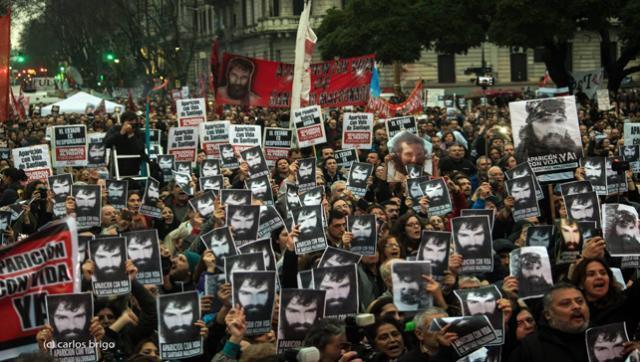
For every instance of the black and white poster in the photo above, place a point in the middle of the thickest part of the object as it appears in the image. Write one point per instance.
(490, 213)
(539, 235)
(69, 146)
(255, 159)
(244, 222)
(434, 248)
(312, 237)
(583, 207)
(299, 310)
(184, 167)
(117, 192)
(525, 205)
(60, 185)
(260, 188)
(607, 343)
(399, 124)
(88, 205)
(547, 136)
(345, 158)
(245, 136)
(337, 256)
(616, 182)
(341, 285)
(235, 197)
(291, 196)
(414, 171)
(571, 242)
(70, 317)
(213, 134)
(631, 153)
(620, 226)
(589, 229)
(595, 173)
(228, 157)
(575, 187)
(306, 174)
(270, 220)
(211, 183)
(474, 332)
(312, 197)
(415, 191)
(255, 292)
(309, 126)
(210, 167)
(212, 283)
(143, 248)
(483, 301)
(263, 247)
(97, 151)
(167, 165)
(408, 286)
(243, 263)
(109, 255)
(531, 266)
(220, 241)
(364, 231)
(472, 239)
(184, 181)
(178, 334)
(406, 148)
(358, 175)
(277, 143)
(438, 194)
(305, 279)
(151, 198)
(5, 223)
(203, 204)
(521, 170)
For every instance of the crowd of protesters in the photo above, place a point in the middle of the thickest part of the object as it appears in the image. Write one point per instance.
(472, 149)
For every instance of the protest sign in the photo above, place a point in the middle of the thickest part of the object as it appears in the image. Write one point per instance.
(522, 189)
(117, 192)
(246, 287)
(69, 146)
(539, 235)
(277, 143)
(256, 161)
(438, 194)
(203, 204)
(97, 154)
(244, 221)
(490, 213)
(346, 157)
(521, 170)
(312, 197)
(214, 183)
(357, 130)
(619, 224)
(531, 266)
(178, 334)
(309, 126)
(474, 332)
(588, 82)
(228, 156)
(191, 112)
(220, 241)
(409, 288)
(88, 205)
(435, 97)
(183, 143)
(110, 276)
(243, 262)
(306, 174)
(582, 207)
(270, 220)
(472, 239)
(166, 163)
(34, 161)
(358, 175)
(602, 96)
(212, 135)
(52, 252)
(143, 248)
(235, 197)
(60, 185)
(608, 343)
(210, 167)
(242, 137)
(261, 189)
(483, 301)
(299, 310)
(312, 237)
(150, 199)
(341, 285)
(434, 248)
(264, 247)
(72, 340)
(337, 256)
(399, 124)
(595, 173)
(364, 231)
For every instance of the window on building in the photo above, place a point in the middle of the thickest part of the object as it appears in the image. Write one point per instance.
(298, 6)
(613, 51)
(264, 8)
(243, 10)
(278, 55)
(538, 55)
(252, 7)
(446, 68)
(518, 67)
(568, 61)
(275, 8)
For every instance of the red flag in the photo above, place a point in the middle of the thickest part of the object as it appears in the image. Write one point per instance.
(13, 106)
(5, 49)
(131, 105)
(215, 46)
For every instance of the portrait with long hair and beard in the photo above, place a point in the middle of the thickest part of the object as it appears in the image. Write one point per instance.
(238, 83)
(406, 149)
(621, 231)
(408, 286)
(255, 293)
(531, 266)
(299, 310)
(607, 343)
(70, 316)
(483, 301)
(177, 314)
(341, 285)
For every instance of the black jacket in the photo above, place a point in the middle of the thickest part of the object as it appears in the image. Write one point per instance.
(127, 145)
(551, 345)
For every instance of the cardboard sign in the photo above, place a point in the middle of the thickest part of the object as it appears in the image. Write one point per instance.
(244, 136)
(34, 161)
(277, 142)
(309, 126)
(399, 124)
(213, 134)
(357, 130)
(183, 143)
(69, 145)
(191, 112)
(97, 153)
(602, 96)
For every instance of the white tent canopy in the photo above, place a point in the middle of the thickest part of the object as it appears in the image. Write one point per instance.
(78, 103)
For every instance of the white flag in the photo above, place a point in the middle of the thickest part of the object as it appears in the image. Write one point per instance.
(305, 44)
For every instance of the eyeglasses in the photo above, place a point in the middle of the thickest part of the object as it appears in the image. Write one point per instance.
(528, 320)
(412, 224)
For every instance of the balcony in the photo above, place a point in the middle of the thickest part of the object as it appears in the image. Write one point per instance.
(280, 24)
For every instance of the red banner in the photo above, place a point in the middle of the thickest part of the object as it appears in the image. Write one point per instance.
(5, 50)
(384, 109)
(256, 82)
(45, 263)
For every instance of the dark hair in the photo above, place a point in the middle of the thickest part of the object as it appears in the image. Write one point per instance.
(580, 274)
(335, 214)
(372, 330)
(322, 331)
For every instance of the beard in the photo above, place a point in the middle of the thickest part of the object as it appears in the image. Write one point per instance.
(409, 297)
(255, 312)
(235, 91)
(183, 333)
(71, 334)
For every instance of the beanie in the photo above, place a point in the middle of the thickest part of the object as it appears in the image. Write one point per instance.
(193, 259)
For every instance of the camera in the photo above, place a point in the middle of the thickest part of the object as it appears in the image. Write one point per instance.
(619, 165)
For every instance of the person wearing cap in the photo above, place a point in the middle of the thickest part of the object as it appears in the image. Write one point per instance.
(180, 277)
(128, 139)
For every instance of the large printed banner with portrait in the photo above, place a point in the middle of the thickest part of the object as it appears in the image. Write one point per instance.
(546, 135)
(33, 160)
(263, 83)
(44, 263)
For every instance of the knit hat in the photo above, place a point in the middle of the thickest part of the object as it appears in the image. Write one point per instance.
(193, 259)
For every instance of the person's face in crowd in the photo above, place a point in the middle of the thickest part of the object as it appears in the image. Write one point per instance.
(390, 310)
(312, 198)
(570, 235)
(242, 223)
(525, 324)
(140, 250)
(178, 319)
(335, 348)
(227, 153)
(115, 190)
(471, 239)
(331, 166)
(596, 281)
(179, 265)
(592, 170)
(327, 152)
(359, 174)
(389, 341)
(308, 222)
(210, 169)
(60, 186)
(380, 135)
(68, 323)
(253, 298)
(605, 350)
(408, 287)
(337, 227)
(238, 86)
(434, 252)
(167, 215)
(550, 130)
(465, 186)
(253, 159)
(220, 246)
(133, 203)
(299, 316)
(479, 303)
(412, 153)
(340, 187)
(338, 290)
(392, 210)
(627, 232)
(83, 176)
(373, 158)
(96, 151)
(509, 149)
(283, 166)
(568, 311)
(305, 170)
(437, 222)
(413, 228)
(379, 214)
(166, 163)
(496, 175)
(581, 211)
(521, 192)
(456, 152)
(149, 349)
(109, 262)
(342, 206)
(106, 317)
(392, 249)
(361, 231)
(109, 215)
(86, 199)
(426, 338)
(434, 191)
